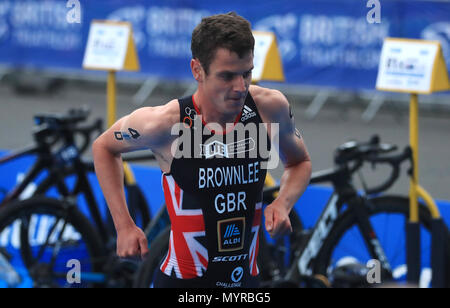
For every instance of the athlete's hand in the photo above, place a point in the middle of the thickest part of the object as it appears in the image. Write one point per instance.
(277, 220)
(131, 242)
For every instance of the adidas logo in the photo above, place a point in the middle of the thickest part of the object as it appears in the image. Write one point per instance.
(247, 113)
(231, 230)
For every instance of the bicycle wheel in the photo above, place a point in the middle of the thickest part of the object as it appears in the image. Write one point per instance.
(138, 206)
(275, 256)
(388, 216)
(147, 270)
(136, 201)
(51, 242)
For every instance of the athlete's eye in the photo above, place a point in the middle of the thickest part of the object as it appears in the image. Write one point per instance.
(247, 74)
(227, 76)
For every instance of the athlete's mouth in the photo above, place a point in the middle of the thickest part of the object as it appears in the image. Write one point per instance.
(236, 98)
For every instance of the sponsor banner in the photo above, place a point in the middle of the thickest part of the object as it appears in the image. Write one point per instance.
(334, 43)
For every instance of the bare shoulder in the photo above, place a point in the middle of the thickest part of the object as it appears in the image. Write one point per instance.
(165, 115)
(156, 122)
(271, 103)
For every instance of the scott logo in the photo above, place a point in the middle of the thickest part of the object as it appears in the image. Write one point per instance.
(230, 258)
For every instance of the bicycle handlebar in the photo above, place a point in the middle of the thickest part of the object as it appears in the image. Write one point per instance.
(54, 127)
(394, 161)
(358, 153)
(73, 116)
(372, 152)
(354, 151)
(86, 133)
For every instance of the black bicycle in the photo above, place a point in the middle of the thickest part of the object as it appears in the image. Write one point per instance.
(50, 154)
(42, 234)
(349, 229)
(359, 238)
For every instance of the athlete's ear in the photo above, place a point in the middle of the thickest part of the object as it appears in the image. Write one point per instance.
(197, 70)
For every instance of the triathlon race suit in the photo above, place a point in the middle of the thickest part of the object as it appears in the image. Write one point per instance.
(214, 199)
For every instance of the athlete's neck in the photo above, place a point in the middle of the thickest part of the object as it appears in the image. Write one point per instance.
(210, 114)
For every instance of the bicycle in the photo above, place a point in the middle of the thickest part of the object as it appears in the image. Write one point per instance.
(348, 214)
(314, 251)
(61, 165)
(49, 161)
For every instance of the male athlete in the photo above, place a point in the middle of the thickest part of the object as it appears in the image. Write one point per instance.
(209, 147)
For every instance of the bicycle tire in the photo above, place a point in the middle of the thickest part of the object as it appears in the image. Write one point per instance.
(297, 230)
(137, 203)
(148, 268)
(89, 238)
(275, 259)
(385, 205)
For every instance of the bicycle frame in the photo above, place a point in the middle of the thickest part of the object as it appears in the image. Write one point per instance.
(44, 162)
(344, 194)
(83, 186)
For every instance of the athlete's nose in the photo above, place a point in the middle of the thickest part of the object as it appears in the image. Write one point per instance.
(239, 84)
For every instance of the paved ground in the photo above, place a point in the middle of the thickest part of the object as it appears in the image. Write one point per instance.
(335, 124)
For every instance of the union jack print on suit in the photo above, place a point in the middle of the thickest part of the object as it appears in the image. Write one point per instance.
(254, 247)
(187, 257)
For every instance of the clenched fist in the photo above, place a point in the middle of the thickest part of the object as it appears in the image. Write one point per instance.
(131, 242)
(277, 220)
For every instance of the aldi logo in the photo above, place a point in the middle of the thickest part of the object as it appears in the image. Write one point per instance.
(230, 233)
(232, 230)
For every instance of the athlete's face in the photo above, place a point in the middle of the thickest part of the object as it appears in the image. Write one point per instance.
(227, 83)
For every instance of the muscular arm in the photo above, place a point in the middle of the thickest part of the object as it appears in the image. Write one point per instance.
(144, 128)
(295, 157)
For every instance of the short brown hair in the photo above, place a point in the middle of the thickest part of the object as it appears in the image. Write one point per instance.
(229, 31)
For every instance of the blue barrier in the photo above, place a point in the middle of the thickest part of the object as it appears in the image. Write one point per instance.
(322, 43)
(309, 207)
